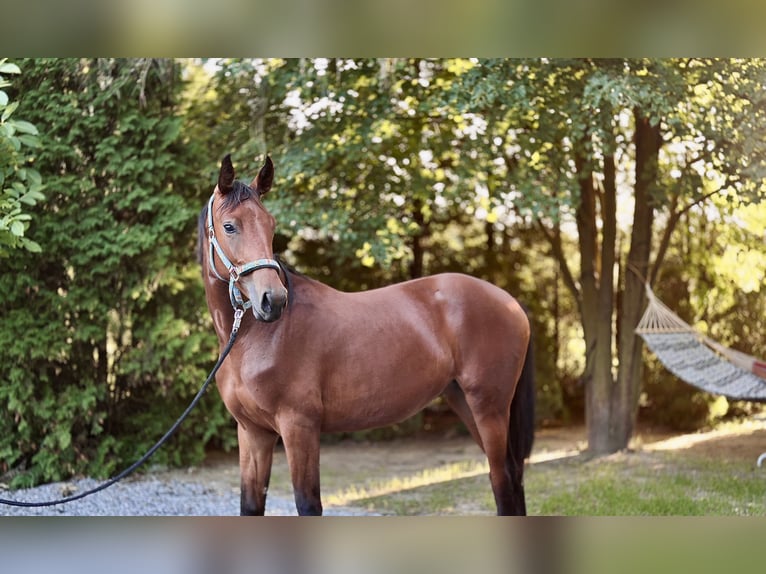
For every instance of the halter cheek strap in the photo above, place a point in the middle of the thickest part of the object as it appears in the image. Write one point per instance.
(235, 272)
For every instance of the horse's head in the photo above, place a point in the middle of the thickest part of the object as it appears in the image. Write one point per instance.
(244, 231)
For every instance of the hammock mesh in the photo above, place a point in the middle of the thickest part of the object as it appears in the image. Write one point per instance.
(698, 360)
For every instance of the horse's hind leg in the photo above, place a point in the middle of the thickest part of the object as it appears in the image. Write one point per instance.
(256, 452)
(506, 484)
(455, 398)
(491, 417)
(494, 434)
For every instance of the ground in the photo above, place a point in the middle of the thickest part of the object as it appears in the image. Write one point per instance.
(398, 476)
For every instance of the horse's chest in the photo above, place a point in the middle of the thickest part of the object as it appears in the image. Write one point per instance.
(250, 401)
(250, 393)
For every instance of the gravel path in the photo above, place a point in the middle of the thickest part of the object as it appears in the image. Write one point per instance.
(146, 496)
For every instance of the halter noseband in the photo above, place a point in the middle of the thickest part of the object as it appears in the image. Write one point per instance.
(235, 272)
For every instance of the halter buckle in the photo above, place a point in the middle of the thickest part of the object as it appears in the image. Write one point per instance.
(238, 314)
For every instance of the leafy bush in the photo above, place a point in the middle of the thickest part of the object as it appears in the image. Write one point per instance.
(104, 337)
(20, 184)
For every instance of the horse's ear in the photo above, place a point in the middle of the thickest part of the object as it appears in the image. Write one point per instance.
(226, 175)
(264, 179)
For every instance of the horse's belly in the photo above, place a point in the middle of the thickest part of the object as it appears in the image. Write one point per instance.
(388, 370)
(379, 399)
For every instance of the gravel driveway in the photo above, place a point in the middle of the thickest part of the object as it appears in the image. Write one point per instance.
(146, 496)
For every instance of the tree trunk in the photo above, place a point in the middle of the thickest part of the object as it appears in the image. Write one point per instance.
(648, 140)
(597, 302)
(611, 399)
(603, 439)
(597, 331)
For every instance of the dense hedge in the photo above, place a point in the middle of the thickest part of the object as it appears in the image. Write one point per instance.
(103, 336)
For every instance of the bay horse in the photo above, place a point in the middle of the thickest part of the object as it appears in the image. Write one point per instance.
(311, 359)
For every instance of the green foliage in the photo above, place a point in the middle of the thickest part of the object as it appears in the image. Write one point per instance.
(20, 183)
(367, 151)
(559, 126)
(104, 338)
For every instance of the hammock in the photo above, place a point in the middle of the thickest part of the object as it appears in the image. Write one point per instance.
(697, 359)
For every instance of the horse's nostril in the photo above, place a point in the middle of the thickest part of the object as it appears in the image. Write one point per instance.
(271, 305)
(266, 302)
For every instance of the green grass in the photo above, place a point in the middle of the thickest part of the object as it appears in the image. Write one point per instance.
(646, 484)
(640, 484)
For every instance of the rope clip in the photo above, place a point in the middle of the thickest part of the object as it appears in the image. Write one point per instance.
(238, 314)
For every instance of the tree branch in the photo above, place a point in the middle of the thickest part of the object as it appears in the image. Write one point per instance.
(675, 217)
(558, 253)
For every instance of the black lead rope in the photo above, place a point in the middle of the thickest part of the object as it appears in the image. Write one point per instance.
(237, 318)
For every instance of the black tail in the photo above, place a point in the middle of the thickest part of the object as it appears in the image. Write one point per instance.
(521, 430)
(522, 424)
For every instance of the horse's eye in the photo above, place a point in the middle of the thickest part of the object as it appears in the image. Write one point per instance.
(229, 228)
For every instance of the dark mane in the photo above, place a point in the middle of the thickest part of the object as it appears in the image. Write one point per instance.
(289, 271)
(239, 193)
(286, 267)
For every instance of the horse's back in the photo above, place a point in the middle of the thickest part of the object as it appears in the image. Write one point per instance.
(474, 304)
(467, 310)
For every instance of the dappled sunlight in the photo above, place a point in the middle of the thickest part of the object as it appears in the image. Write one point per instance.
(701, 439)
(556, 443)
(395, 484)
(555, 454)
(726, 438)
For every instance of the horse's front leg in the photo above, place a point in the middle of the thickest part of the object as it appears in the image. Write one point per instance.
(302, 450)
(256, 452)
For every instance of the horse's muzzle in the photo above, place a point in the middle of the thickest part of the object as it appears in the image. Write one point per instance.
(271, 305)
